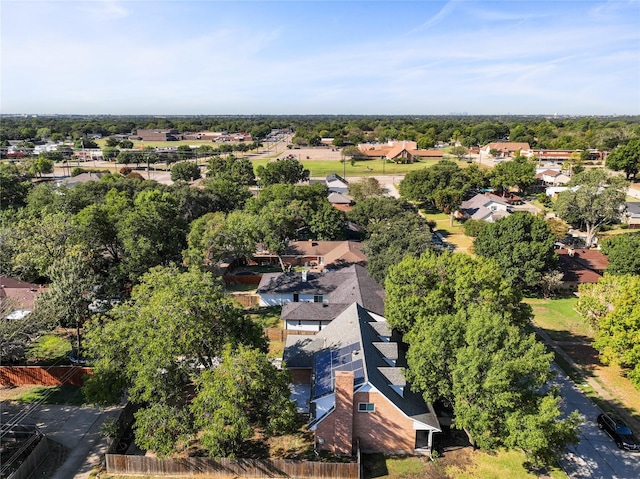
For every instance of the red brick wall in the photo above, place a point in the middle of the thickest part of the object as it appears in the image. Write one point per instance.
(343, 413)
(42, 376)
(385, 429)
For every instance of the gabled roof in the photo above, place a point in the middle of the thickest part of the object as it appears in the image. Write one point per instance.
(344, 286)
(353, 331)
(335, 253)
(508, 146)
(335, 177)
(306, 310)
(339, 199)
(633, 208)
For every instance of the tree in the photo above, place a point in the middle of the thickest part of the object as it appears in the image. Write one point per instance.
(522, 244)
(244, 392)
(185, 171)
(72, 289)
(365, 188)
(14, 187)
(467, 347)
(128, 156)
(473, 227)
(613, 306)
(459, 152)
(392, 239)
(238, 170)
(286, 170)
(39, 166)
(370, 211)
(622, 251)
(85, 143)
(625, 158)
(594, 199)
(112, 142)
(158, 344)
(518, 172)
(110, 152)
(126, 144)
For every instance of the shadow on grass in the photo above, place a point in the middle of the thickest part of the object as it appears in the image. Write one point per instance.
(61, 395)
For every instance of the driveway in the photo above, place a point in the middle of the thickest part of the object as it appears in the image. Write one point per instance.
(75, 427)
(596, 455)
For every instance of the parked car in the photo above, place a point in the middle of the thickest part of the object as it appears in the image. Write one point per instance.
(619, 432)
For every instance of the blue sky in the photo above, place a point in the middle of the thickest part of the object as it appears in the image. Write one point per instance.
(308, 57)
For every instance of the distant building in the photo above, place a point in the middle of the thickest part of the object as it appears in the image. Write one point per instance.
(399, 151)
(158, 135)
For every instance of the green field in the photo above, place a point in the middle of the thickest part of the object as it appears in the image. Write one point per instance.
(559, 318)
(361, 168)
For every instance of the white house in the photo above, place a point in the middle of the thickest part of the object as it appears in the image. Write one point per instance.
(486, 207)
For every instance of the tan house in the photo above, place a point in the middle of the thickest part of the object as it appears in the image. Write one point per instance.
(316, 254)
(348, 379)
(507, 149)
(399, 152)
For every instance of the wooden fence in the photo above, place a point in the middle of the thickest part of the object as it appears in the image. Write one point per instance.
(275, 334)
(247, 300)
(246, 468)
(42, 375)
(32, 461)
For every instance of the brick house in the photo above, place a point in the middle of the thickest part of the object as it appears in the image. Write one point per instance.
(349, 377)
(316, 254)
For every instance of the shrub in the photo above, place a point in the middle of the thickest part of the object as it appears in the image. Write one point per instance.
(77, 171)
(473, 227)
(125, 170)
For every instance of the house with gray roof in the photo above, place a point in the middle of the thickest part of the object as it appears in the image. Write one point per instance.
(350, 378)
(632, 214)
(485, 207)
(323, 289)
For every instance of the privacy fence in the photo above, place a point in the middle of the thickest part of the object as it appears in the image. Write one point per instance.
(43, 375)
(246, 468)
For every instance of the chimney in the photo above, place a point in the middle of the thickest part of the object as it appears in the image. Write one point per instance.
(343, 425)
(304, 275)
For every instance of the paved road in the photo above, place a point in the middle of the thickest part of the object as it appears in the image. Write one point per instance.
(595, 456)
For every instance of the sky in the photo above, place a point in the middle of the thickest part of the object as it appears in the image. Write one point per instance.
(320, 57)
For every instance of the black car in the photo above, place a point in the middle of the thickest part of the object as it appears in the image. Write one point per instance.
(619, 432)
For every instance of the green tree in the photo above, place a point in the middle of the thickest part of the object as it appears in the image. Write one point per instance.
(392, 239)
(459, 152)
(39, 166)
(467, 347)
(185, 171)
(522, 244)
(625, 158)
(365, 188)
(85, 143)
(126, 144)
(244, 392)
(238, 170)
(155, 346)
(518, 172)
(622, 251)
(595, 199)
(112, 142)
(287, 170)
(370, 211)
(14, 187)
(613, 306)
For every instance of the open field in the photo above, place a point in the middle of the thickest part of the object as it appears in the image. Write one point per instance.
(559, 319)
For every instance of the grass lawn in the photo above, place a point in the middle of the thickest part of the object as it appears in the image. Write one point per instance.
(361, 168)
(452, 234)
(267, 316)
(69, 395)
(559, 319)
(52, 348)
(458, 463)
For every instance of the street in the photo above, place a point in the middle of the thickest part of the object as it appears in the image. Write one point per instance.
(596, 455)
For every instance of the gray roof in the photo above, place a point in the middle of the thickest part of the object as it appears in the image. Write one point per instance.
(315, 311)
(345, 286)
(355, 326)
(633, 208)
(339, 198)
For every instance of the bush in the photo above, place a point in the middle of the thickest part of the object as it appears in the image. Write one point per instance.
(125, 170)
(77, 171)
(473, 227)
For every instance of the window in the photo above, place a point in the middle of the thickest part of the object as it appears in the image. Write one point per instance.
(296, 298)
(366, 407)
(317, 298)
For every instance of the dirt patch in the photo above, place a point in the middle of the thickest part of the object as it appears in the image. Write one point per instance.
(12, 393)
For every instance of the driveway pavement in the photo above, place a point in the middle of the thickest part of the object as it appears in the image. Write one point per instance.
(596, 456)
(77, 428)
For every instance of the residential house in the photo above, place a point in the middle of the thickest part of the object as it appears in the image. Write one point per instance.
(23, 295)
(506, 149)
(74, 181)
(486, 207)
(344, 286)
(340, 201)
(337, 184)
(552, 177)
(580, 266)
(307, 316)
(632, 214)
(349, 378)
(316, 254)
